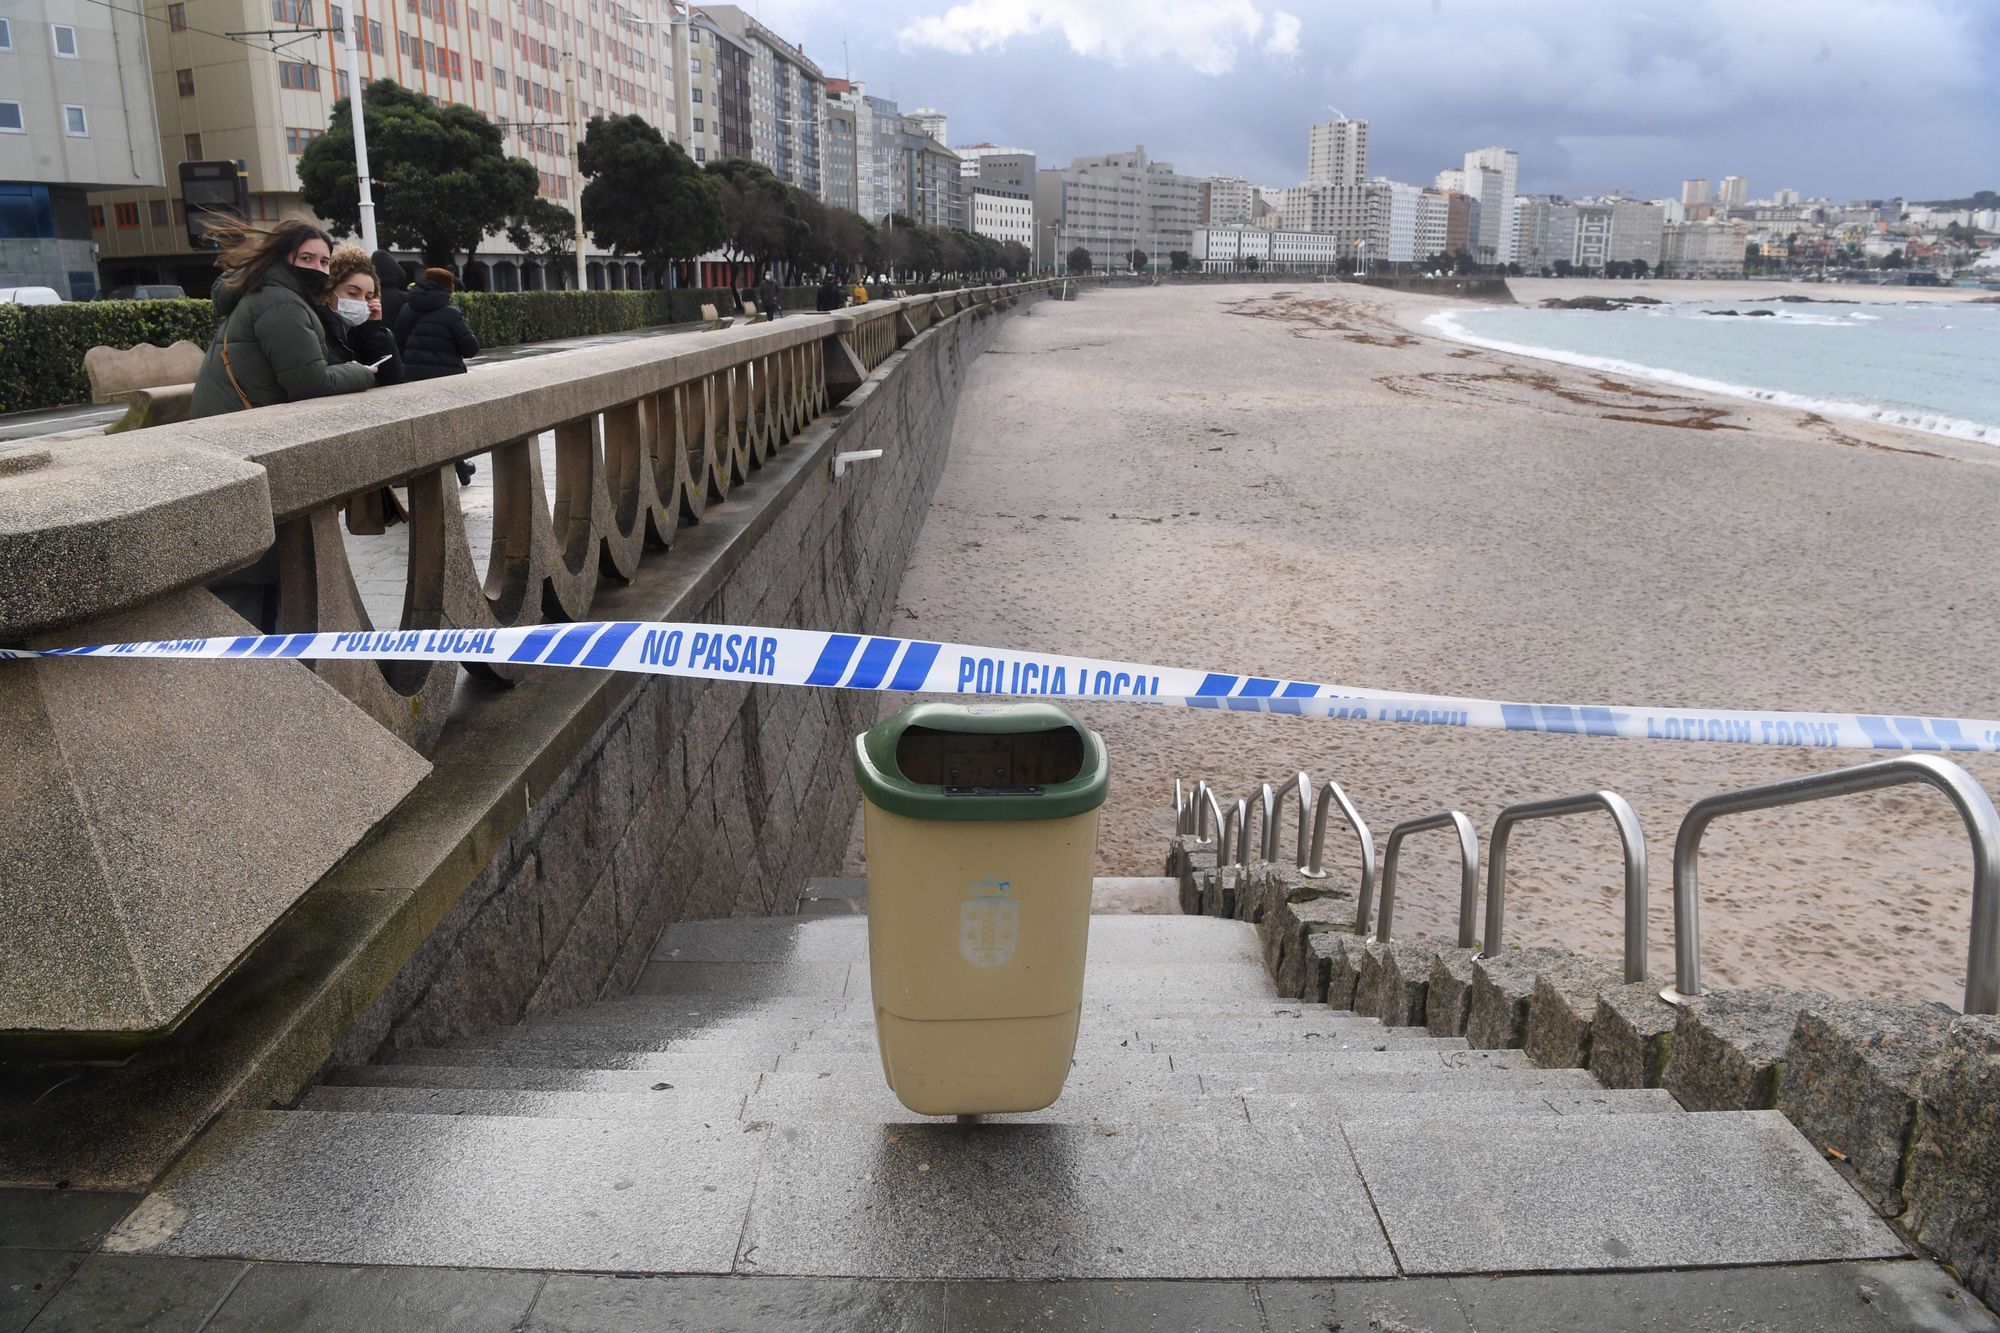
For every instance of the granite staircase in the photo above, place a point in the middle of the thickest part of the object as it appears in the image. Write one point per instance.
(1294, 1166)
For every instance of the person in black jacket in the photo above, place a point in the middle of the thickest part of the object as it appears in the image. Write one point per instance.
(350, 314)
(830, 295)
(395, 287)
(435, 337)
(770, 298)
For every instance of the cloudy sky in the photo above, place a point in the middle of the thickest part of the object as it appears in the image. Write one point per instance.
(1840, 97)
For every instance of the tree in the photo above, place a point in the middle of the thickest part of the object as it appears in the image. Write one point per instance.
(1138, 259)
(645, 196)
(1251, 264)
(1564, 268)
(1079, 260)
(1514, 270)
(1179, 260)
(441, 175)
(1015, 259)
(1641, 269)
(544, 231)
(1464, 265)
(761, 217)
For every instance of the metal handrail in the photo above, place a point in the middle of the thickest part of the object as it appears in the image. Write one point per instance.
(1300, 785)
(1209, 813)
(1975, 807)
(1239, 817)
(1267, 806)
(1181, 809)
(1468, 859)
(1629, 835)
(1331, 796)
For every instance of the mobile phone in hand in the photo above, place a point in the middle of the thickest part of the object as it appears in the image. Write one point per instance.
(377, 365)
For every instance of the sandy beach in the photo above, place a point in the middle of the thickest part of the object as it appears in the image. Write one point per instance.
(1299, 480)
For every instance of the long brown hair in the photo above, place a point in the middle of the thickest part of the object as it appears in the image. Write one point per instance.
(249, 253)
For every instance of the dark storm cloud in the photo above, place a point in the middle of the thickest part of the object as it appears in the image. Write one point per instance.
(1837, 97)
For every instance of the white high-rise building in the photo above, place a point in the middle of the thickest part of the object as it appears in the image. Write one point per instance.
(1450, 181)
(1113, 204)
(1694, 193)
(1337, 153)
(1498, 222)
(1733, 191)
(1394, 221)
(929, 120)
(1231, 201)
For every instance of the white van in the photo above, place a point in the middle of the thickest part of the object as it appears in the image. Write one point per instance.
(30, 296)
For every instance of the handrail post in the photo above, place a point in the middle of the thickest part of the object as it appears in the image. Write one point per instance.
(1180, 809)
(1241, 816)
(1631, 838)
(1300, 786)
(1267, 803)
(1209, 813)
(1468, 871)
(1975, 808)
(1331, 796)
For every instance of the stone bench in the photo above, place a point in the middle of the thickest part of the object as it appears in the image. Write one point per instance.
(713, 319)
(155, 383)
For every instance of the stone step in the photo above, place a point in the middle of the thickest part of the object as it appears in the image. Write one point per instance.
(1113, 940)
(1090, 1043)
(692, 1011)
(1011, 1201)
(1415, 1084)
(1443, 1100)
(1126, 984)
(665, 1062)
(734, 1082)
(672, 1104)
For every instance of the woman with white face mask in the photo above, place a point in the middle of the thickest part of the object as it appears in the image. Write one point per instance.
(350, 310)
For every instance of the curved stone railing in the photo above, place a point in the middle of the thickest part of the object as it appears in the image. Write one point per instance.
(647, 434)
(163, 815)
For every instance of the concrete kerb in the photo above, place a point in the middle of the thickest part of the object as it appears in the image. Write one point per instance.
(1403, 980)
(1632, 1036)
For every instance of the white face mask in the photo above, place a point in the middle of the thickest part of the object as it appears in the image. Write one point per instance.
(353, 311)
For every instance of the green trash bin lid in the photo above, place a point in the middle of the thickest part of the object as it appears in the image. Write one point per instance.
(983, 762)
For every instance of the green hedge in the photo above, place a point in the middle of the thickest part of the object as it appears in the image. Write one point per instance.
(42, 346)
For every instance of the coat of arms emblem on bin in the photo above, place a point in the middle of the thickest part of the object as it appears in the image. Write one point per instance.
(989, 924)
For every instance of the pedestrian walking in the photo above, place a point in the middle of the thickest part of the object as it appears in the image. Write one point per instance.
(770, 297)
(860, 292)
(270, 346)
(830, 295)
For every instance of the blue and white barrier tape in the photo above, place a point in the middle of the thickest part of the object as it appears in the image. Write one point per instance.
(863, 662)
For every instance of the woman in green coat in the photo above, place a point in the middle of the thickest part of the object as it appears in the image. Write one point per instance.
(269, 345)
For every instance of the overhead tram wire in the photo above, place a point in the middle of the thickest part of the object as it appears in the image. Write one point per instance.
(239, 38)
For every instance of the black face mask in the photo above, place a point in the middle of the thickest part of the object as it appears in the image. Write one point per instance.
(311, 279)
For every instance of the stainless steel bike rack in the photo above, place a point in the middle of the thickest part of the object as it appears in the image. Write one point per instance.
(1331, 796)
(1635, 868)
(1301, 786)
(1975, 807)
(1468, 876)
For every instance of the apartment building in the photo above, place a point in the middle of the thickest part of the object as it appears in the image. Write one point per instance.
(1113, 204)
(786, 93)
(1002, 213)
(1392, 221)
(1337, 152)
(1709, 248)
(76, 114)
(1447, 222)
(1490, 177)
(260, 101)
(718, 97)
(1227, 201)
(933, 180)
(881, 183)
(839, 166)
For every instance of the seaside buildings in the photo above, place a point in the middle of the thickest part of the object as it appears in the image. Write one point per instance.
(1227, 201)
(786, 90)
(1731, 193)
(1490, 176)
(1706, 248)
(76, 114)
(1232, 250)
(1337, 152)
(717, 101)
(1114, 204)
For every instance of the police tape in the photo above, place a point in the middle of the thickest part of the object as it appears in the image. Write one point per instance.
(878, 662)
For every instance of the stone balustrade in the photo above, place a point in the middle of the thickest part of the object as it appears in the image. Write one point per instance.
(166, 814)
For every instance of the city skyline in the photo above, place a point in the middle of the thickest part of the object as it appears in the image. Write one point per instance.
(1821, 98)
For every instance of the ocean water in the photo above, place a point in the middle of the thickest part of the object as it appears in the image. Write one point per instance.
(1929, 366)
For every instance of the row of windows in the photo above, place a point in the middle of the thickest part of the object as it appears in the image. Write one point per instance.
(76, 121)
(62, 38)
(298, 75)
(297, 139)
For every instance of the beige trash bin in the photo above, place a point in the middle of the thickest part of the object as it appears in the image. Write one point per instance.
(981, 825)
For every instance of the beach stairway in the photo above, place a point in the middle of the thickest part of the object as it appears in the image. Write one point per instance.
(730, 1117)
